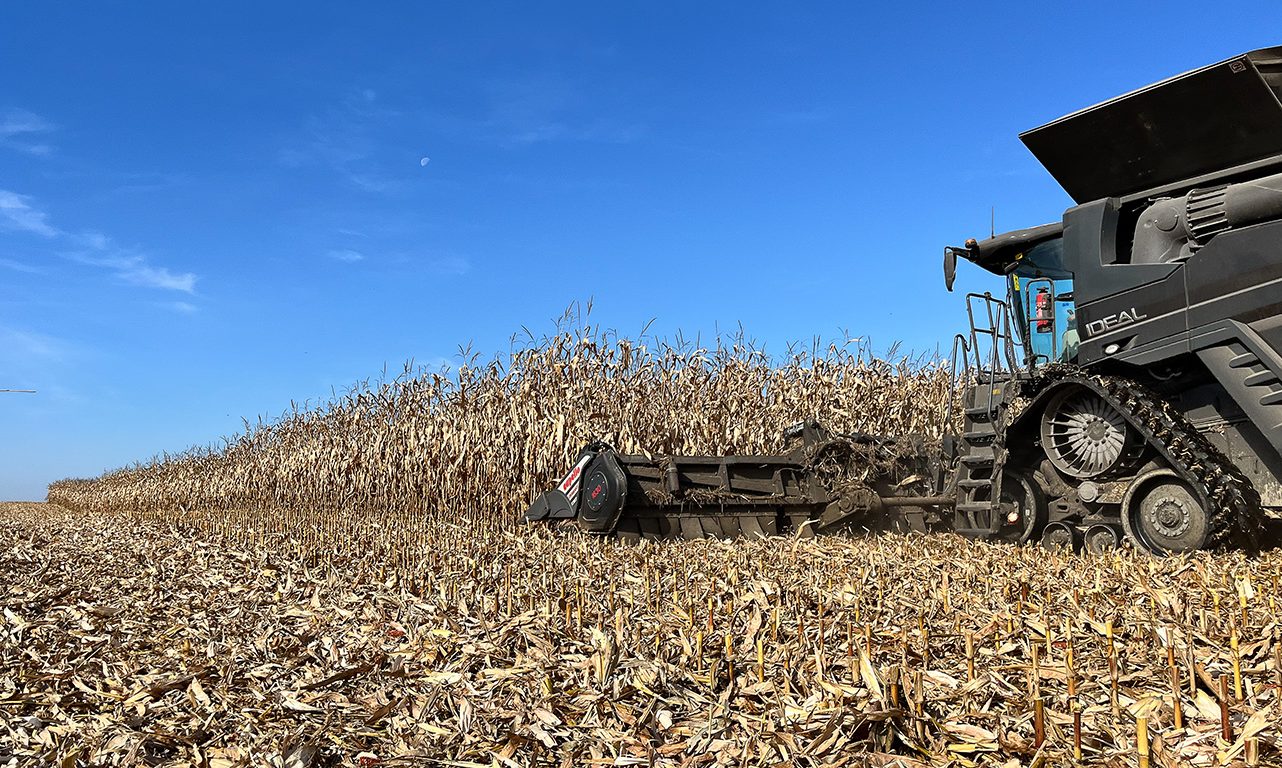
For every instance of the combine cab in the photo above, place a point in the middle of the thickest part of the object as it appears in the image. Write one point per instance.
(1126, 386)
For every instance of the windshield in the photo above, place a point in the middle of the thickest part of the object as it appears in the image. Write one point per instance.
(1046, 259)
(1041, 292)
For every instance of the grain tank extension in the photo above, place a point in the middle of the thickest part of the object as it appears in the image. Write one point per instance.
(1124, 388)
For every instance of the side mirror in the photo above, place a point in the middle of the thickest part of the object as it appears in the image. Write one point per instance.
(950, 268)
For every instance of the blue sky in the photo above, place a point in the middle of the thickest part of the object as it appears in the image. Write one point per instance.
(207, 212)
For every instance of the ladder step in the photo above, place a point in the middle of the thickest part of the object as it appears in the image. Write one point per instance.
(979, 414)
(980, 435)
(980, 483)
(977, 459)
(1241, 361)
(974, 506)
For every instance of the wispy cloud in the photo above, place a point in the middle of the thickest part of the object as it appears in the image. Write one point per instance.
(17, 213)
(18, 266)
(373, 182)
(347, 255)
(19, 348)
(134, 269)
(33, 360)
(540, 108)
(25, 131)
(182, 307)
(344, 139)
(594, 132)
(450, 265)
(147, 182)
(139, 273)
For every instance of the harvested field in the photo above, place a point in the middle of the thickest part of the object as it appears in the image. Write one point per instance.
(347, 585)
(129, 640)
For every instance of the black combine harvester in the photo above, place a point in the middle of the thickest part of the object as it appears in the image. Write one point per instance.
(1128, 388)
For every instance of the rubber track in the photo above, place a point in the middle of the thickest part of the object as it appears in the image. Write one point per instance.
(1235, 511)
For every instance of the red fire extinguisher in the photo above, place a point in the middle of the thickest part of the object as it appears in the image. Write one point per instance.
(1044, 315)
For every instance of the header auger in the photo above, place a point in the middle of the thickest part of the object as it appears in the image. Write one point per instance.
(1126, 389)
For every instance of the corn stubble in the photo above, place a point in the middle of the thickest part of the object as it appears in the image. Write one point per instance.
(413, 616)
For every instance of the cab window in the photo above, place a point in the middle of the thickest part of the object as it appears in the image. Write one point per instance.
(1042, 301)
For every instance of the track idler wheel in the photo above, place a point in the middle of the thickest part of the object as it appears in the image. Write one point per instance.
(1060, 537)
(1162, 515)
(1102, 539)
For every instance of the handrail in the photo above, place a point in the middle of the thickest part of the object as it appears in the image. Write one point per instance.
(952, 376)
(994, 323)
(1011, 359)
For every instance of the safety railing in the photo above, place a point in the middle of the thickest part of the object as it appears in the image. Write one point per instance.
(994, 358)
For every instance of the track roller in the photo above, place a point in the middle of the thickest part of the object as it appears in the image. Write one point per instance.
(1061, 537)
(1102, 538)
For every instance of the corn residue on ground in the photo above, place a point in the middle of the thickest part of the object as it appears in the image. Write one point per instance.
(349, 585)
(133, 639)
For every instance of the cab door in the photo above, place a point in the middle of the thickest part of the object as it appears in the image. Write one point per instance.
(1047, 321)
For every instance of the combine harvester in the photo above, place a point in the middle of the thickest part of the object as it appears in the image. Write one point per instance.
(1127, 389)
